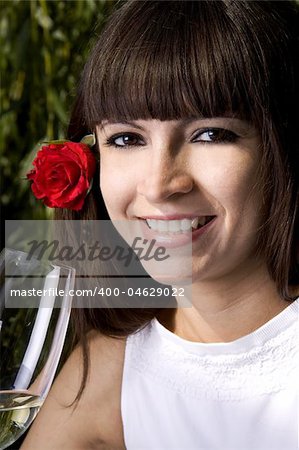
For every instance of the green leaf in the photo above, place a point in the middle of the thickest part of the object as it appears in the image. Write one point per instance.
(57, 141)
(89, 140)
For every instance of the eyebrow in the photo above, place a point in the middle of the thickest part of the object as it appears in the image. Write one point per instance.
(122, 122)
(183, 122)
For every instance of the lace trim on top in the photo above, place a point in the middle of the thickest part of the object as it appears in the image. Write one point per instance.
(263, 362)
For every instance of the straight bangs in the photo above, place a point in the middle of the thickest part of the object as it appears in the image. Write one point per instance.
(171, 60)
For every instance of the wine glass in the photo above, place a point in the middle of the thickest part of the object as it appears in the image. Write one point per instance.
(35, 305)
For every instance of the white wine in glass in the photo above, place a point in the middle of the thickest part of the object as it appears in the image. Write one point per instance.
(35, 305)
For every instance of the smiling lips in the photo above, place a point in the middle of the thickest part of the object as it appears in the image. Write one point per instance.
(178, 226)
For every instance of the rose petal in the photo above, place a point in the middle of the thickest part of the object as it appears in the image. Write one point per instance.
(62, 174)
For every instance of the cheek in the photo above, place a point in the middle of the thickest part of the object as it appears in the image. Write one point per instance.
(116, 188)
(228, 178)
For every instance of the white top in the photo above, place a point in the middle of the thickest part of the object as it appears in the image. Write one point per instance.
(241, 395)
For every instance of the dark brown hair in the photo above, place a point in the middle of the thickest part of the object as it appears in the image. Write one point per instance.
(174, 59)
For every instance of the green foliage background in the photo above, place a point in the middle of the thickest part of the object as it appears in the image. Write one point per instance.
(43, 45)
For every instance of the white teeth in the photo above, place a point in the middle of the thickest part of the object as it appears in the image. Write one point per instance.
(176, 226)
(185, 224)
(162, 225)
(152, 223)
(195, 222)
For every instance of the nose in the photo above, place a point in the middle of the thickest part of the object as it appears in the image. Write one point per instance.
(166, 176)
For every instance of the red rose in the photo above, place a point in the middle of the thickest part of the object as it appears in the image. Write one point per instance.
(62, 174)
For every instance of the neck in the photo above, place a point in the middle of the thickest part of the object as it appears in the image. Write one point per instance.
(225, 310)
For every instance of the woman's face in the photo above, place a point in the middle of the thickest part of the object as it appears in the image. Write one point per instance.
(202, 170)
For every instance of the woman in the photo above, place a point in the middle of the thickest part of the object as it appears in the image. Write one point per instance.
(194, 106)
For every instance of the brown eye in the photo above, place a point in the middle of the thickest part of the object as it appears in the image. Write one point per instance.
(216, 135)
(124, 140)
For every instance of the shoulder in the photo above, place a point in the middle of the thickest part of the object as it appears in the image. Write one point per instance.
(294, 291)
(95, 420)
(103, 388)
